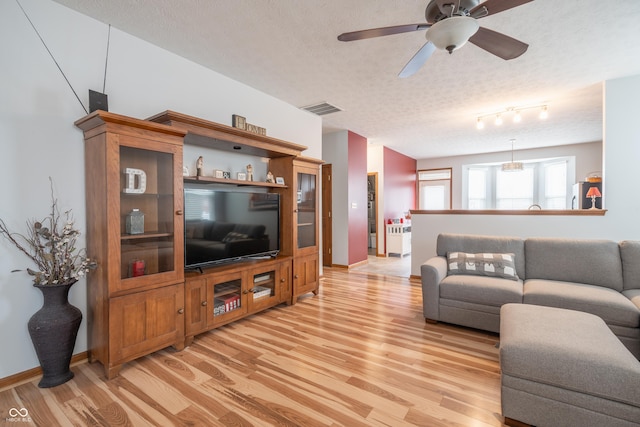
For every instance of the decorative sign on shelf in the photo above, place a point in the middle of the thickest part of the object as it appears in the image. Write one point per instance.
(240, 122)
(136, 181)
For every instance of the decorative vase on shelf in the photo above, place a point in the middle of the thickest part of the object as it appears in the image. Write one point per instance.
(53, 331)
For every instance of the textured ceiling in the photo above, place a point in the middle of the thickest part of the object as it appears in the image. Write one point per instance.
(288, 49)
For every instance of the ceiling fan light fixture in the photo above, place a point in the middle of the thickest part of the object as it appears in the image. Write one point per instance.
(452, 33)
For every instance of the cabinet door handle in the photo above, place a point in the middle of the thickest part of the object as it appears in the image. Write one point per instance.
(245, 292)
(180, 310)
(295, 277)
(179, 212)
(204, 303)
(282, 280)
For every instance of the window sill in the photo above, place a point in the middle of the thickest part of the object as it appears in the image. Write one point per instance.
(554, 212)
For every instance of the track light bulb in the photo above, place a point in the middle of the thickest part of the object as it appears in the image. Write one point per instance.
(480, 123)
(517, 118)
(498, 120)
(544, 113)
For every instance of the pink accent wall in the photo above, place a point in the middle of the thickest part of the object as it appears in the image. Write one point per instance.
(399, 184)
(357, 189)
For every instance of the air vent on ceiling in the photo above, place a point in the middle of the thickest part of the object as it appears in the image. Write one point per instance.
(322, 108)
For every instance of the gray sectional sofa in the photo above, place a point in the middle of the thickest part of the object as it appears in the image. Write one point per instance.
(595, 276)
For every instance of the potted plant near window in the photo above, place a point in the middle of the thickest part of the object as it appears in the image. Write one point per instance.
(51, 244)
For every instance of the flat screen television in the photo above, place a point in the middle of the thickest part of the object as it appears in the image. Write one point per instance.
(224, 225)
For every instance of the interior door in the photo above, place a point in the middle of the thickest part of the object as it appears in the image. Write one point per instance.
(327, 229)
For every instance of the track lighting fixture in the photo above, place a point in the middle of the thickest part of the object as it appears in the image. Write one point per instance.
(517, 114)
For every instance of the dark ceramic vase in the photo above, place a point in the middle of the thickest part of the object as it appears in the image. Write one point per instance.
(53, 331)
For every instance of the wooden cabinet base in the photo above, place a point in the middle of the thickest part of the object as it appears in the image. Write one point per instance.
(223, 294)
(306, 276)
(141, 323)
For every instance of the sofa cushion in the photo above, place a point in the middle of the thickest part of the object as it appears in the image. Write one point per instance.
(570, 350)
(196, 228)
(483, 264)
(630, 254)
(232, 236)
(593, 262)
(476, 244)
(612, 306)
(491, 291)
(253, 231)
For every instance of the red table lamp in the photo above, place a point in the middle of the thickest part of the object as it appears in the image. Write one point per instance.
(593, 193)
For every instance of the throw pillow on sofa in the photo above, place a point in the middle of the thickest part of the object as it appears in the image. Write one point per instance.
(482, 264)
(233, 236)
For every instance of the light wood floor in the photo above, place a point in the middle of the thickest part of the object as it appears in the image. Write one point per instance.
(357, 354)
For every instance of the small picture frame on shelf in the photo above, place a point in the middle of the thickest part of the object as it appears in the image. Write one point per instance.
(226, 174)
(217, 173)
(242, 176)
(279, 180)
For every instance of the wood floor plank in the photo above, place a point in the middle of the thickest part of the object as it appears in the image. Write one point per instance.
(357, 354)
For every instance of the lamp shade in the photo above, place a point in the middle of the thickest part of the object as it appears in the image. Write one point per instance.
(593, 192)
(452, 33)
(512, 167)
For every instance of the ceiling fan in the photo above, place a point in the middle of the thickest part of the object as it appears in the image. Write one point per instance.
(450, 24)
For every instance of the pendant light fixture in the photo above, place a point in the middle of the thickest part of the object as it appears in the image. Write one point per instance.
(512, 166)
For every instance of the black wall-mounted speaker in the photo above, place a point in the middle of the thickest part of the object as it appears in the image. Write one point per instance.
(98, 101)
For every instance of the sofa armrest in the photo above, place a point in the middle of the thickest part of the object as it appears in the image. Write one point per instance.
(432, 272)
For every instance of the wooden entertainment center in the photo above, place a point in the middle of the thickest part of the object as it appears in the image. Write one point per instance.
(140, 299)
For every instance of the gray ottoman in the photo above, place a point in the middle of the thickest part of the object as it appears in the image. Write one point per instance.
(565, 368)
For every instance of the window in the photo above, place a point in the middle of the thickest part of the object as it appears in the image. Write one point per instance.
(514, 190)
(477, 188)
(434, 189)
(542, 182)
(555, 175)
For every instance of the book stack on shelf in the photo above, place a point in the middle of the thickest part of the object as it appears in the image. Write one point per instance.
(218, 307)
(261, 291)
(226, 303)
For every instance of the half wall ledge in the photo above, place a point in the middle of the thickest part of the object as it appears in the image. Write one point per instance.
(543, 212)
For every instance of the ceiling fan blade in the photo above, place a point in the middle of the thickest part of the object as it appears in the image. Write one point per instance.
(497, 6)
(499, 44)
(379, 32)
(448, 7)
(418, 60)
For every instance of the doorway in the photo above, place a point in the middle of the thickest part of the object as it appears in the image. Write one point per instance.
(372, 213)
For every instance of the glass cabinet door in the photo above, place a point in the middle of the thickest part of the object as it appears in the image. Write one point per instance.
(306, 210)
(147, 239)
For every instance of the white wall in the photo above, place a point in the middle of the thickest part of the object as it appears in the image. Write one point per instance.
(335, 150)
(38, 138)
(588, 159)
(621, 158)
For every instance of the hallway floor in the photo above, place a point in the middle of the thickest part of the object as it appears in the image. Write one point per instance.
(390, 266)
